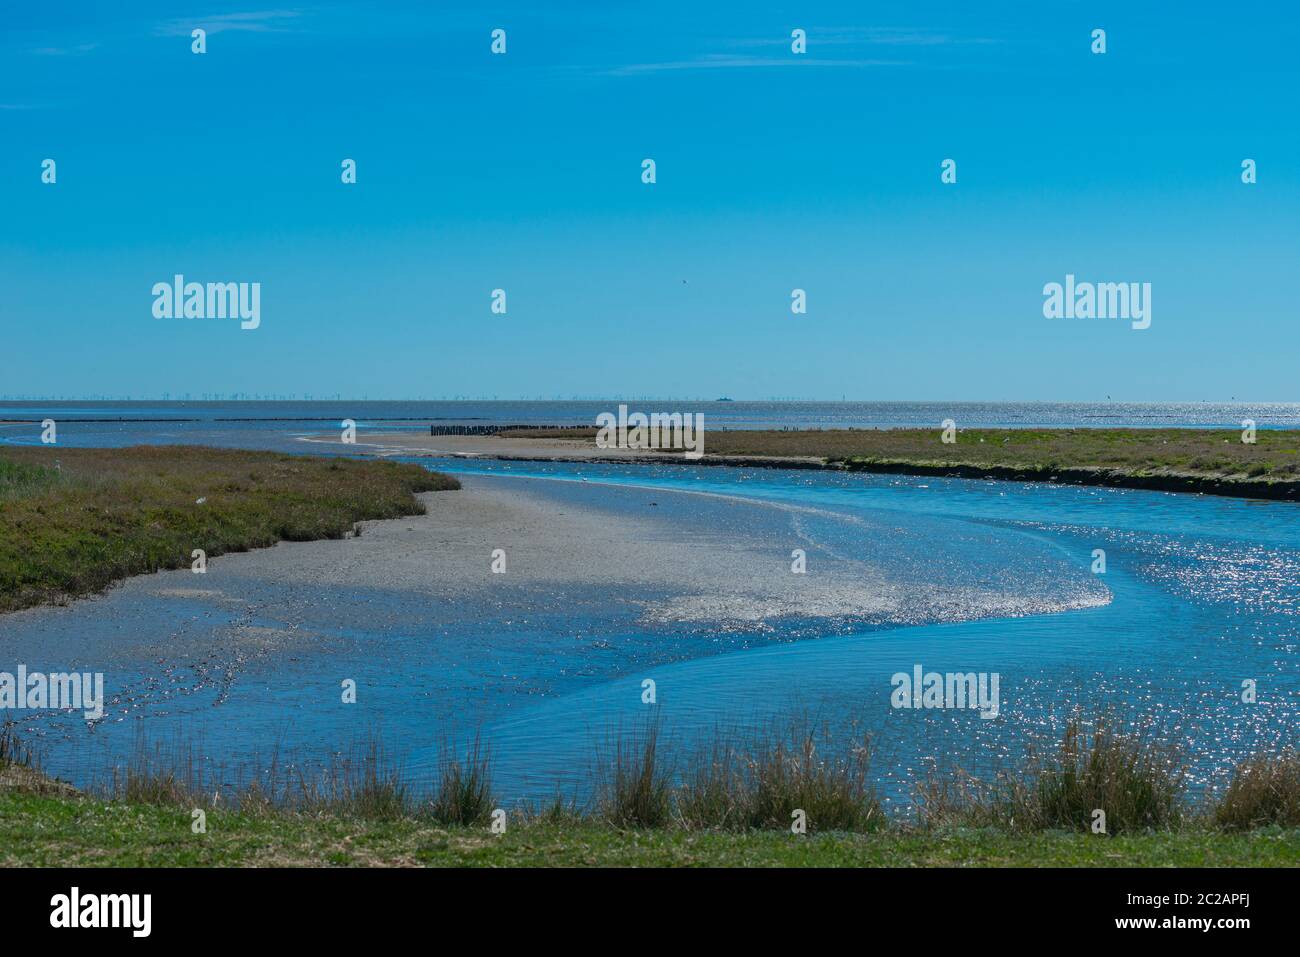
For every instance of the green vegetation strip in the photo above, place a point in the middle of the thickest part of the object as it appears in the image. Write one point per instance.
(73, 521)
(730, 810)
(40, 831)
(1199, 460)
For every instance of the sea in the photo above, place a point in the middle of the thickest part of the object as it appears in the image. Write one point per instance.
(267, 424)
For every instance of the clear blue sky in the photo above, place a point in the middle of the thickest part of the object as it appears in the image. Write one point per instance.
(775, 171)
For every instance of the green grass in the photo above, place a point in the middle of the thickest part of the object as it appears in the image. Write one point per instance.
(365, 814)
(762, 786)
(1136, 782)
(19, 478)
(1264, 790)
(73, 521)
(464, 795)
(38, 831)
(1093, 456)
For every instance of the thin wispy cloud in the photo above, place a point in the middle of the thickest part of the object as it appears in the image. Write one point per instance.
(733, 61)
(897, 36)
(255, 21)
(867, 36)
(841, 38)
(80, 49)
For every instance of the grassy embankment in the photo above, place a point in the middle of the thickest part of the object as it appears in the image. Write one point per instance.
(731, 808)
(73, 521)
(1194, 460)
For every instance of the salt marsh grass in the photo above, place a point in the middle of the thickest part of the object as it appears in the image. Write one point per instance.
(1265, 790)
(76, 520)
(763, 784)
(462, 794)
(1135, 782)
(730, 788)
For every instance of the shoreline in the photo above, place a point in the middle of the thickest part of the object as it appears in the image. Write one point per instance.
(74, 522)
(546, 448)
(556, 534)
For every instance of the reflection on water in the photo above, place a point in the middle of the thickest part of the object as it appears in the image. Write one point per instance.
(1200, 594)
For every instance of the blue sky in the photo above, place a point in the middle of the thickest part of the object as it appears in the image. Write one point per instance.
(775, 172)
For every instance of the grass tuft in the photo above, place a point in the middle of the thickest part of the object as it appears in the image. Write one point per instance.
(371, 788)
(1264, 790)
(634, 789)
(13, 753)
(463, 796)
(763, 787)
(1136, 783)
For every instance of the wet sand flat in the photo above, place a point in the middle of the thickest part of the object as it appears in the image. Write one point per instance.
(587, 558)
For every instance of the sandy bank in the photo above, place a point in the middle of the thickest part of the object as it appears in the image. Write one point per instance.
(601, 553)
(634, 545)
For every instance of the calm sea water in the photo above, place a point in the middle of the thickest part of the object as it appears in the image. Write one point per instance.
(255, 424)
(1205, 595)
